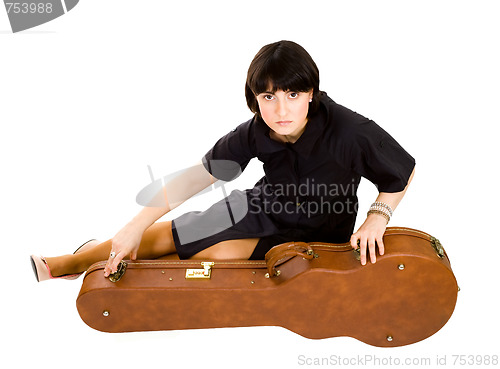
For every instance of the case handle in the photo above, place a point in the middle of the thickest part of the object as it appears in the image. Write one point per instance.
(284, 252)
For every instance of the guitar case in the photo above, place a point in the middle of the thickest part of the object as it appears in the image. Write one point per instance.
(317, 290)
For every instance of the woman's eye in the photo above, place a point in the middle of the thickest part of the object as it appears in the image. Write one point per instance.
(294, 95)
(268, 97)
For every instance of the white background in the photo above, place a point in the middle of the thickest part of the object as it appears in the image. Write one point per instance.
(90, 99)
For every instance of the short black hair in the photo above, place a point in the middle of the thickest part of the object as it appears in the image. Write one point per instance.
(282, 65)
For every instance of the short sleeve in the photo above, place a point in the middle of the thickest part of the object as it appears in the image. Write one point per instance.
(377, 156)
(231, 154)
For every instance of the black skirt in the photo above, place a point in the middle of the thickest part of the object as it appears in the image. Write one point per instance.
(240, 216)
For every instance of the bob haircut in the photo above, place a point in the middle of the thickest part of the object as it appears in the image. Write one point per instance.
(283, 65)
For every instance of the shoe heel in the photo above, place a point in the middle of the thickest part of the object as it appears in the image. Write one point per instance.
(34, 268)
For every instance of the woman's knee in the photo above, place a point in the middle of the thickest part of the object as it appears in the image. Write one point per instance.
(158, 239)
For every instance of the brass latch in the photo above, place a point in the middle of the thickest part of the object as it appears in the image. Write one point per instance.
(357, 253)
(120, 271)
(437, 247)
(204, 273)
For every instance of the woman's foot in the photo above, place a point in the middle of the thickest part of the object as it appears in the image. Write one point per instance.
(43, 272)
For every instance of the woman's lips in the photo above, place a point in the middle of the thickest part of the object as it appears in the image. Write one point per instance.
(284, 123)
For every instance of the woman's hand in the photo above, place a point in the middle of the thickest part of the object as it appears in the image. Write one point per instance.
(126, 242)
(369, 236)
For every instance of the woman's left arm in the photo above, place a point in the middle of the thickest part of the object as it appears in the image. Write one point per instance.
(371, 231)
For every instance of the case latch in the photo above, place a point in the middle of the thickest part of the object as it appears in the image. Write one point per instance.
(204, 273)
(120, 271)
(437, 247)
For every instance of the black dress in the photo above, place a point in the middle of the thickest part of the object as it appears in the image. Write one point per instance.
(309, 189)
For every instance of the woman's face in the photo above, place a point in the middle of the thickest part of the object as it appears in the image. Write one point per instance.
(285, 112)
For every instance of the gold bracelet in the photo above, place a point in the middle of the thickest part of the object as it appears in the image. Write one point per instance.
(372, 211)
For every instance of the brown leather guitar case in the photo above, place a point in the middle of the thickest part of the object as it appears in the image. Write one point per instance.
(317, 290)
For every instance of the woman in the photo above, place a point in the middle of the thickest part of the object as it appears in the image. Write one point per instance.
(314, 153)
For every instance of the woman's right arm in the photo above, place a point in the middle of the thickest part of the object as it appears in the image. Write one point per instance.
(127, 240)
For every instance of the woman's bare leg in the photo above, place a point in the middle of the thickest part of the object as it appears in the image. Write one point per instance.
(231, 249)
(156, 241)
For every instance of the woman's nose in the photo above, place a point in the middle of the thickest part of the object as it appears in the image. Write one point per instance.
(281, 108)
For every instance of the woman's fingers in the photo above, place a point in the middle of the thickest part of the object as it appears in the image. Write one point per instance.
(124, 244)
(112, 264)
(362, 250)
(114, 259)
(367, 247)
(372, 250)
(380, 244)
(107, 267)
(359, 241)
(355, 241)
